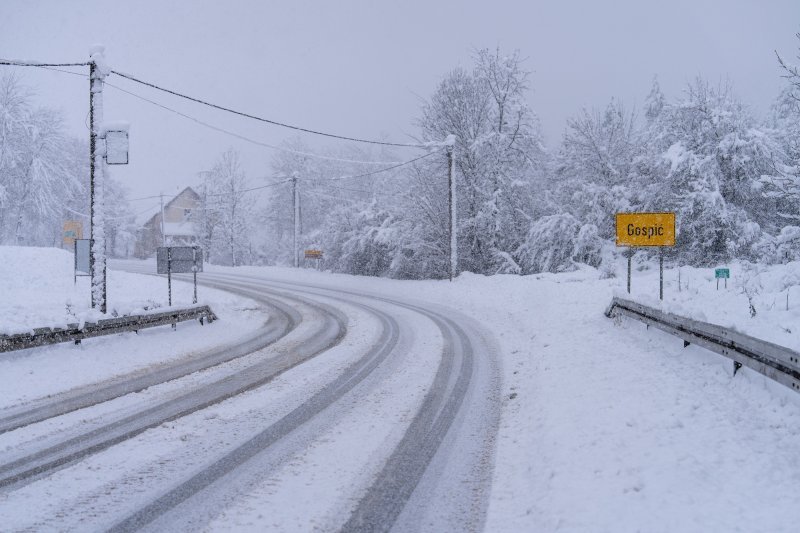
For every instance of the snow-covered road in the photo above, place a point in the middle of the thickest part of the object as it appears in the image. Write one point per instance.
(503, 403)
(389, 421)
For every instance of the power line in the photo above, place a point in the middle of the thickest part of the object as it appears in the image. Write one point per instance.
(215, 106)
(364, 191)
(218, 194)
(252, 188)
(404, 163)
(47, 67)
(247, 139)
(110, 218)
(21, 63)
(321, 179)
(227, 132)
(338, 198)
(144, 198)
(261, 119)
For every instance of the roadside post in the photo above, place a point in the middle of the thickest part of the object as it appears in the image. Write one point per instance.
(645, 230)
(179, 260)
(725, 273)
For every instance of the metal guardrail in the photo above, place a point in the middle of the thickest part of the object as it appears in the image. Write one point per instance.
(109, 326)
(772, 360)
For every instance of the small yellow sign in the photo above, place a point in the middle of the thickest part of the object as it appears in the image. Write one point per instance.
(313, 254)
(645, 229)
(73, 229)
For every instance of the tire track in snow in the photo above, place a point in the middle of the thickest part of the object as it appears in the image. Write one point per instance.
(384, 506)
(283, 319)
(333, 328)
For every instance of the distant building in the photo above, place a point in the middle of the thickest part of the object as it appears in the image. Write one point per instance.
(179, 228)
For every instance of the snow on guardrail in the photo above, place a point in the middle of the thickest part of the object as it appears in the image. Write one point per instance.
(772, 360)
(109, 326)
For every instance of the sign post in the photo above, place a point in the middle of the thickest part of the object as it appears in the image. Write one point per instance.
(643, 230)
(180, 260)
(723, 273)
(313, 254)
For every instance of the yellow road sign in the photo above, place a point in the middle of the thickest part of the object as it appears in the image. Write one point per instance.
(645, 229)
(73, 229)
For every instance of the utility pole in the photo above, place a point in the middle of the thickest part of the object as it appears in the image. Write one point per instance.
(451, 187)
(97, 237)
(296, 210)
(163, 236)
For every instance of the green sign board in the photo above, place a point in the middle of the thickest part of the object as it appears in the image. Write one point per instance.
(720, 273)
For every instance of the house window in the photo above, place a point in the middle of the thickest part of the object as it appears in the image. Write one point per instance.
(187, 213)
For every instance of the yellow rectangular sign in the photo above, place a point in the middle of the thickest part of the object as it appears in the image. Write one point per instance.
(73, 229)
(645, 229)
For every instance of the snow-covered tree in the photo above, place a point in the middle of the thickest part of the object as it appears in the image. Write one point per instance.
(720, 176)
(228, 211)
(35, 178)
(791, 73)
(499, 157)
(594, 165)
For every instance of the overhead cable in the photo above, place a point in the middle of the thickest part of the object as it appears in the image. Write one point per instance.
(261, 119)
(233, 134)
(404, 163)
(23, 63)
(247, 139)
(250, 189)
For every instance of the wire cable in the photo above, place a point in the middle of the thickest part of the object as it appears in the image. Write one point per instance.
(261, 119)
(215, 106)
(248, 139)
(250, 189)
(218, 194)
(21, 63)
(337, 198)
(110, 218)
(228, 132)
(404, 163)
(364, 191)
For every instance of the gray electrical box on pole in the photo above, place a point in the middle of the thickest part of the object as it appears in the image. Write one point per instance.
(116, 137)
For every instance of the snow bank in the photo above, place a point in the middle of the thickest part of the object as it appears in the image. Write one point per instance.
(39, 291)
(609, 426)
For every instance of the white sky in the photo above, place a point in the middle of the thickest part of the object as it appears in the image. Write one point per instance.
(361, 68)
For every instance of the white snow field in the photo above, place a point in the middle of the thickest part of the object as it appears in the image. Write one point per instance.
(605, 425)
(39, 290)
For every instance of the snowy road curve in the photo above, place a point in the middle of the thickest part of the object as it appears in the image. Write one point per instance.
(385, 408)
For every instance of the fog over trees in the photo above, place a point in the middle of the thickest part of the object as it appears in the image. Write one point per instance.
(733, 180)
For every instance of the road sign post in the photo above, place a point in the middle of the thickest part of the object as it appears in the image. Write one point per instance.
(316, 255)
(180, 260)
(722, 273)
(644, 230)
